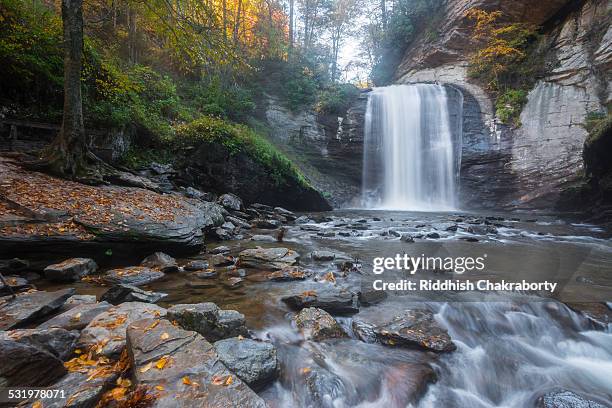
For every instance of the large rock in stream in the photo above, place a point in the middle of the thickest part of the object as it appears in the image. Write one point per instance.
(208, 320)
(331, 299)
(29, 307)
(77, 317)
(67, 217)
(107, 330)
(566, 399)
(253, 361)
(70, 270)
(184, 369)
(134, 275)
(415, 328)
(25, 365)
(56, 341)
(317, 324)
(268, 258)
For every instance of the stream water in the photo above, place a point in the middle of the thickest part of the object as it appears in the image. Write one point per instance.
(508, 353)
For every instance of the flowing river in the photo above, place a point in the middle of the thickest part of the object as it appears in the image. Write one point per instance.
(508, 352)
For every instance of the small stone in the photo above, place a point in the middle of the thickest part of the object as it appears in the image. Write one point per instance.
(221, 260)
(566, 399)
(196, 265)
(407, 238)
(415, 328)
(160, 261)
(265, 223)
(219, 250)
(433, 235)
(289, 273)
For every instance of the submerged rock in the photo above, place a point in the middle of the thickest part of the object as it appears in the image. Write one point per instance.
(107, 330)
(135, 275)
(317, 324)
(208, 320)
(289, 273)
(219, 250)
(70, 270)
(263, 238)
(332, 300)
(129, 293)
(323, 256)
(566, 399)
(254, 362)
(268, 258)
(184, 369)
(160, 261)
(265, 223)
(77, 317)
(28, 307)
(415, 328)
(196, 265)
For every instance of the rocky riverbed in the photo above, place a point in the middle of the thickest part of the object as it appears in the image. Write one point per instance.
(260, 306)
(282, 314)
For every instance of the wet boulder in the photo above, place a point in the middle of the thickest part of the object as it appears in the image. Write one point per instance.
(129, 293)
(239, 222)
(230, 202)
(70, 270)
(134, 275)
(415, 328)
(58, 342)
(208, 320)
(323, 256)
(289, 273)
(77, 317)
(183, 369)
(13, 284)
(331, 299)
(317, 324)
(268, 258)
(566, 399)
(364, 331)
(254, 362)
(29, 307)
(107, 330)
(24, 365)
(80, 391)
(221, 260)
(160, 261)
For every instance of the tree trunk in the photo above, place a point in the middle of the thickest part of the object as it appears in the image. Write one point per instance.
(291, 39)
(132, 50)
(225, 19)
(237, 22)
(68, 152)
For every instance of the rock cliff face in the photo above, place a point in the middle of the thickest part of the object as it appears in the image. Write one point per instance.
(327, 148)
(501, 167)
(529, 166)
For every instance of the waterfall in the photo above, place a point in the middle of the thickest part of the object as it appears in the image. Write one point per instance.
(412, 149)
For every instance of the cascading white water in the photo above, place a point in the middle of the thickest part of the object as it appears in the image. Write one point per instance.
(410, 158)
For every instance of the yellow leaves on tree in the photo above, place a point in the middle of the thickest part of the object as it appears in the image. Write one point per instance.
(500, 45)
